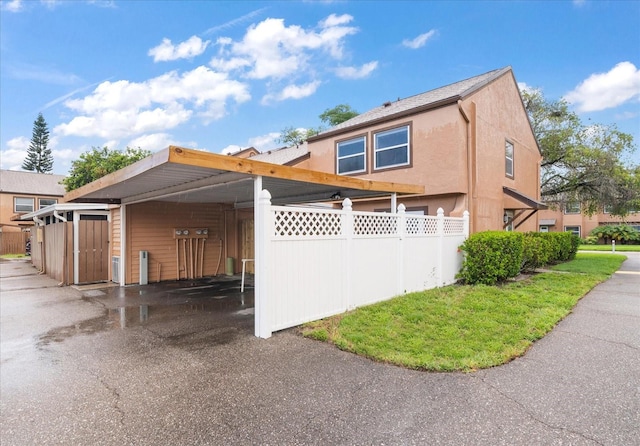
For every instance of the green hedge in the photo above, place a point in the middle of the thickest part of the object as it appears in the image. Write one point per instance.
(491, 257)
(495, 256)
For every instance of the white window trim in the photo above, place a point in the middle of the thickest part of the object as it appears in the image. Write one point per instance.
(363, 154)
(509, 160)
(384, 149)
(15, 204)
(567, 229)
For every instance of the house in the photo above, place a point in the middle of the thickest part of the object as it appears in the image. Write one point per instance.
(569, 217)
(470, 144)
(21, 193)
(186, 214)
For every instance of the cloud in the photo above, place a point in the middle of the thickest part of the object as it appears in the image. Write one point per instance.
(356, 73)
(266, 142)
(601, 91)
(15, 153)
(158, 141)
(125, 109)
(419, 41)
(231, 148)
(272, 50)
(47, 75)
(292, 92)
(167, 51)
(12, 5)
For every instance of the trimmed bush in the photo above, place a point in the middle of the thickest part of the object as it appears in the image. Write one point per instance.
(536, 250)
(564, 246)
(491, 257)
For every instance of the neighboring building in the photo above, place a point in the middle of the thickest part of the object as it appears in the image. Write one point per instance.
(569, 217)
(24, 192)
(470, 144)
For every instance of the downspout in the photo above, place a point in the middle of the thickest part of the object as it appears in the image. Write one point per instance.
(57, 215)
(40, 222)
(470, 186)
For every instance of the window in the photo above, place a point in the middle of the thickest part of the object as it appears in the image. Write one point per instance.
(391, 148)
(351, 156)
(572, 208)
(575, 230)
(44, 202)
(22, 204)
(507, 219)
(508, 159)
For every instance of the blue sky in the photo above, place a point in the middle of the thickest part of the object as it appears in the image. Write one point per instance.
(221, 76)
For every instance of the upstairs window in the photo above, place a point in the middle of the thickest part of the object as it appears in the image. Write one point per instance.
(351, 156)
(23, 204)
(573, 207)
(391, 148)
(508, 159)
(44, 202)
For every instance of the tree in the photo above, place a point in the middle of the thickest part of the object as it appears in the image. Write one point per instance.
(338, 114)
(99, 162)
(39, 157)
(291, 136)
(580, 162)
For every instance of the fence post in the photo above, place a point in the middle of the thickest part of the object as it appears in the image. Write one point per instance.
(402, 232)
(440, 233)
(465, 224)
(347, 233)
(263, 225)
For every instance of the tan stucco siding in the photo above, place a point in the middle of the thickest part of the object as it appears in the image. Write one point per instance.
(150, 227)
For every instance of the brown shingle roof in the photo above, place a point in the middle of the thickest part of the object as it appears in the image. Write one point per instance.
(442, 95)
(20, 182)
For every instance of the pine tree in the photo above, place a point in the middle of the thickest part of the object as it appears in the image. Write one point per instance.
(39, 157)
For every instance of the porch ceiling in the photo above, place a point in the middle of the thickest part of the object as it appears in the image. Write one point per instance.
(178, 174)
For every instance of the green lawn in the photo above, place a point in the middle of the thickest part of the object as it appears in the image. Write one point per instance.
(619, 248)
(465, 327)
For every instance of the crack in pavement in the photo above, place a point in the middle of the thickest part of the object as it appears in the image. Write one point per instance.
(116, 395)
(608, 341)
(533, 415)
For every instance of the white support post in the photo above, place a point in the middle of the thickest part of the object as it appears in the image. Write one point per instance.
(440, 232)
(263, 226)
(347, 261)
(123, 244)
(394, 202)
(402, 230)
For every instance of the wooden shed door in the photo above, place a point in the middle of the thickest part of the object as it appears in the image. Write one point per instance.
(247, 248)
(93, 250)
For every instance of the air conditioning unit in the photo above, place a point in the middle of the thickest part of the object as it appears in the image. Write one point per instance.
(115, 269)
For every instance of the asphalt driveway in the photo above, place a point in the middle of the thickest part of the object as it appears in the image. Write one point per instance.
(75, 370)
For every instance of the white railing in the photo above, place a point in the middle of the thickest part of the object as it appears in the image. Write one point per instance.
(313, 263)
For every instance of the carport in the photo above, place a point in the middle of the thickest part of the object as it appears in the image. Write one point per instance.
(178, 177)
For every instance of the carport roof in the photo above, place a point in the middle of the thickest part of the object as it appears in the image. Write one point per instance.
(186, 175)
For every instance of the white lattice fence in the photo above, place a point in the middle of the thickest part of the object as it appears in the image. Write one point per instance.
(312, 263)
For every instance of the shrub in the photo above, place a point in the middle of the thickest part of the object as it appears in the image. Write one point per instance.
(564, 246)
(622, 233)
(536, 250)
(491, 257)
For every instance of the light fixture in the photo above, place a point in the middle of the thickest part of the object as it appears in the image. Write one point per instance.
(335, 196)
(185, 232)
(178, 232)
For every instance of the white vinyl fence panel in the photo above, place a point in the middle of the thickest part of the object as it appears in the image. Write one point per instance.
(313, 263)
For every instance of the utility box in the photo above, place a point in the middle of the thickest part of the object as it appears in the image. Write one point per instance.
(229, 266)
(144, 267)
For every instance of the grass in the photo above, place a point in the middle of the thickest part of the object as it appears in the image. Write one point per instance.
(607, 248)
(465, 328)
(13, 256)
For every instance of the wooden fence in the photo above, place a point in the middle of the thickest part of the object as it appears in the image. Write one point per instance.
(13, 242)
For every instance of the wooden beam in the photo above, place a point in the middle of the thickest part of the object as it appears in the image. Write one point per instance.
(179, 155)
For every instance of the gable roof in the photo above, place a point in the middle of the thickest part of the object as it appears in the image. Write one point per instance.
(20, 182)
(285, 156)
(431, 99)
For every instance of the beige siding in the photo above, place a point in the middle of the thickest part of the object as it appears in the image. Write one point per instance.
(115, 232)
(150, 227)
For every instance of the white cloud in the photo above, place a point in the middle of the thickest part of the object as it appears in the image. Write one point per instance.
(607, 90)
(42, 74)
(271, 50)
(158, 141)
(166, 51)
(292, 92)
(232, 148)
(356, 73)
(266, 142)
(15, 153)
(12, 6)
(579, 3)
(125, 109)
(419, 41)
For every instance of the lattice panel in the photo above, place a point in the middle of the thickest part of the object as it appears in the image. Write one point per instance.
(383, 224)
(306, 224)
(421, 225)
(453, 226)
